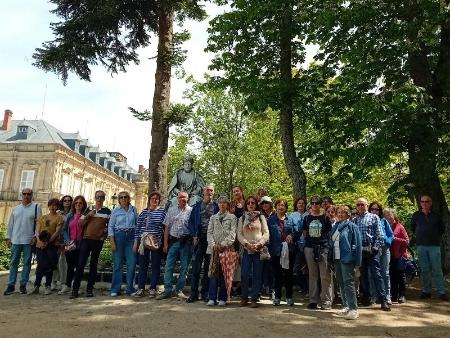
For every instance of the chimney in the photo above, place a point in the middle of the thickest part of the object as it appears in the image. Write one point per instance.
(7, 120)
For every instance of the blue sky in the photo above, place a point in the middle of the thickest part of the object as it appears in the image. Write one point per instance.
(97, 109)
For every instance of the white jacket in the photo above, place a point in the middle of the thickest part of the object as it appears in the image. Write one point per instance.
(222, 233)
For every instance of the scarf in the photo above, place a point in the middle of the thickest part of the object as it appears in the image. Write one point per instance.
(250, 217)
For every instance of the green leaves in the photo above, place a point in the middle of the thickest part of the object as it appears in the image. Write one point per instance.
(107, 33)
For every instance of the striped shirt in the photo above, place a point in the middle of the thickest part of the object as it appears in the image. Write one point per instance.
(150, 221)
(370, 227)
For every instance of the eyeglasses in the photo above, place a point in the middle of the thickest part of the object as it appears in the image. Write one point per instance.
(100, 197)
(27, 194)
(251, 203)
(374, 209)
(70, 201)
(315, 203)
(78, 203)
(426, 201)
(124, 197)
(360, 204)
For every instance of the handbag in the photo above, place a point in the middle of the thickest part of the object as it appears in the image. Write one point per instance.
(70, 245)
(151, 242)
(264, 254)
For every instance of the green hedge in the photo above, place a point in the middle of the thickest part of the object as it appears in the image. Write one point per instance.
(4, 250)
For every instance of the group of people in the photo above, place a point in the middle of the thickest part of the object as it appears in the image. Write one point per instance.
(252, 242)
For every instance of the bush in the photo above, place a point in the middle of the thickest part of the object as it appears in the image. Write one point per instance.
(105, 260)
(4, 250)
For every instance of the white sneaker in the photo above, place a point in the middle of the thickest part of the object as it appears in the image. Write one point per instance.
(152, 293)
(211, 303)
(35, 291)
(181, 295)
(54, 286)
(352, 315)
(64, 290)
(48, 290)
(222, 303)
(344, 311)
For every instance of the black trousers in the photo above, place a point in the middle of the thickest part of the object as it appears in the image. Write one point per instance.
(398, 279)
(88, 247)
(47, 259)
(282, 276)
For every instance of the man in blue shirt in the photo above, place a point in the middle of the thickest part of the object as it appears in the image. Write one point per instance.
(177, 241)
(19, 236)
(372, 242)
(198, 227)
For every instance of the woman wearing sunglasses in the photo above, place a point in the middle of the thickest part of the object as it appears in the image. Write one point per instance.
(253, 234)
(316, 227)
(121, 234)
(73, 232)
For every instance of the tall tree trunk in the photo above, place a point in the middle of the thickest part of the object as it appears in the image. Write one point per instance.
(423, 146)
(291, 160)
(161, 102)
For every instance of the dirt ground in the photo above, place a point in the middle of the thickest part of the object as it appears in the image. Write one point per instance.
(103, 316)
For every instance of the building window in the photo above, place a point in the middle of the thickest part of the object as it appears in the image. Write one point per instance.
(64, 189)
(2, 174)
(26, 181)
(88, 191)
(77, 187)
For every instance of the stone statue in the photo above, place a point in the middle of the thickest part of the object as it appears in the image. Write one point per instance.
(186, 179)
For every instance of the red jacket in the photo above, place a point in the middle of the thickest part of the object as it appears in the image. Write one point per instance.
(400, 242)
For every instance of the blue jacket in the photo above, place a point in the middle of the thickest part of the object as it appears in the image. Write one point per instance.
(66, 234)
(275, 238)
(195, 219)
(350, 242)
(295, 220)
(388, 234)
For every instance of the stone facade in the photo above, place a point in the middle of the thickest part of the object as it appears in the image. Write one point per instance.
(54, 167)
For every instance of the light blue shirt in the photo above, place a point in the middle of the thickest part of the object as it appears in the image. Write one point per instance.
(21, 225)
(122, 220)
(177, 221)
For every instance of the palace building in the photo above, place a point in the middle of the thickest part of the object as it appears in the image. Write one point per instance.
(34, 154)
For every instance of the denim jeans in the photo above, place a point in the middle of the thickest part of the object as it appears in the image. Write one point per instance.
(345, 275)
(373, 265)
(184, 250)
(251, 267)
(215, 283)
(88, 247)
(385, 258)
(47, 260)
(72, 262)
(144, 260)
(16, 252)
(200, 258)
(124, 250)
(431, 268)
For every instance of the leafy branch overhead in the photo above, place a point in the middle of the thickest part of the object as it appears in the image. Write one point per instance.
(108, 34)
(177, 115)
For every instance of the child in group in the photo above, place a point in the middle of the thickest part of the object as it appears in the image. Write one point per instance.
(48, 230)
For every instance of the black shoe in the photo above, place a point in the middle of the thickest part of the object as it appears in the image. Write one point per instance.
(23, 289)
(425, 295)
(443, 297)
(9, 290)
(366, 302)
(191, 299)
(312, 306)
(89, 293)
(74, 294)
(385, 306)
